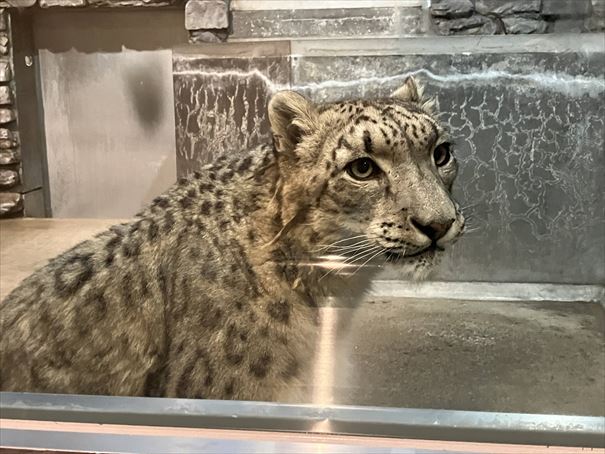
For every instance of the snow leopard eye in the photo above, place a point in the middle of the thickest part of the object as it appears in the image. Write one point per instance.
(362, 169)
(442, 154)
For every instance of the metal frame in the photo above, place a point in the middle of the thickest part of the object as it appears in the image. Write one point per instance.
(447, 425)
(35, 185)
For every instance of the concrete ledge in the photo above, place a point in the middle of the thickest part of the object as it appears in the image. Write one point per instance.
(268, 5)
(489, 291)
(560, 43)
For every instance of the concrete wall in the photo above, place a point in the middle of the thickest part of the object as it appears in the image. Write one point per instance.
(106, 84)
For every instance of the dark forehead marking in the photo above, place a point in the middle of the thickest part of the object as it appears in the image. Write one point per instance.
(434, 130)
(400, 128)
(434, 134)
(408, 142)
(367, 142)
(393, 110)
(343, 143)
(385, 135)
(419, 115)
(395, 131)
(409, 106)
(350, 105)
(414, 131)
(403, 130)
(365, 118)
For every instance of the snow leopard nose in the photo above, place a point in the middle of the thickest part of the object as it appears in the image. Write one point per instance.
(434, 230)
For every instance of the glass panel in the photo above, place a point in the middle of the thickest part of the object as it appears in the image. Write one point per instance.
(374, 218)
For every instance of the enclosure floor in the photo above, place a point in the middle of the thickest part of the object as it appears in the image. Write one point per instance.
(26, 244)
(546, 357)
(527, 357)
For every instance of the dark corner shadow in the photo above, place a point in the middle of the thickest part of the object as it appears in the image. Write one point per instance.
(107, 30)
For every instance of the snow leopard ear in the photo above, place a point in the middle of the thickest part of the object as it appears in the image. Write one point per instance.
(410, 91)
(292, 116)
(413, 92)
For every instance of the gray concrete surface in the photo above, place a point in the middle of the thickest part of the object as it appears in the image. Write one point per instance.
(546, 357)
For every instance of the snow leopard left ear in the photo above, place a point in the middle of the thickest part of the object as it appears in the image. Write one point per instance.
(292, 116)
(410, 91)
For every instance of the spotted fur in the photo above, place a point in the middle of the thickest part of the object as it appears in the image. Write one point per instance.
(213, 290)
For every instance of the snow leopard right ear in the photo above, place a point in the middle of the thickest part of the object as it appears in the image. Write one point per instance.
(412, 91)
(292, 116)
(409, 91)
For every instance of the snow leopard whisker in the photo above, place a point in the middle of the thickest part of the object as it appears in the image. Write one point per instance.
(351, 261)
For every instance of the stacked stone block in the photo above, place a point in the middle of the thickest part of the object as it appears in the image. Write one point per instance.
(11, 200)
(512, 17)
(207, 20)
(596, 21)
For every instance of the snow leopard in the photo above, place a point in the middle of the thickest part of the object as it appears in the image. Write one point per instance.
(213, 290)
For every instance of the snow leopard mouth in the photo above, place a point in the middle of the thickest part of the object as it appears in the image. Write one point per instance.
(394, 255)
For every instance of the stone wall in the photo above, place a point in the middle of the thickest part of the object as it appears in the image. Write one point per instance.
(11, 201)
(513, 17)
(89, 3)
(408, 19)
(216, 21)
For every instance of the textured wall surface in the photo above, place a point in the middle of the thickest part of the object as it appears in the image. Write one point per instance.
(221, 102)
(529, 131)
(528, 128)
